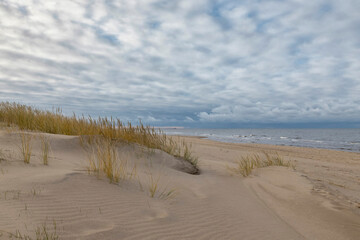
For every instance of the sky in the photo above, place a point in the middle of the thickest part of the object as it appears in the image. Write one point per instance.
(200, 63)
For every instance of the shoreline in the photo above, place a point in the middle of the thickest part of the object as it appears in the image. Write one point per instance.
(264, 144)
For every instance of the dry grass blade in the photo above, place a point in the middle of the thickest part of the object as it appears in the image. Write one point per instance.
(41, 233)
(167, 194)
(158, 191)
(45, 147)
(26, 147)
(246, 164)
(104, 158)
(153, 186)
(2, 155)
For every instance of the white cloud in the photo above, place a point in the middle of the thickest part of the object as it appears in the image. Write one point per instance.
(225, 61)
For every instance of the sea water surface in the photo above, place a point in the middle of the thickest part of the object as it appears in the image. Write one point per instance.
(337, 139)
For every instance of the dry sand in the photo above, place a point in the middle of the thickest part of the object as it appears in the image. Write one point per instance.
(318, 200)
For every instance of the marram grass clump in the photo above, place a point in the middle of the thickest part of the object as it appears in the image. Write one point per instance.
(45, 147)
(29, 118)
(104, 158)
(26, 147)
(246, 164)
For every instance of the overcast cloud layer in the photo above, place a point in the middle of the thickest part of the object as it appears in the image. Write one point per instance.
(187, 61)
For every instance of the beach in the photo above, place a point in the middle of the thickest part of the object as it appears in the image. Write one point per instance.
(317, 198)
(179, 120)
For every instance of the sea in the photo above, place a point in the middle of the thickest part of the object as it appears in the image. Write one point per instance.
(337, 139)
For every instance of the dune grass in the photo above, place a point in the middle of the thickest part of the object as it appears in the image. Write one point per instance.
(187, 155)
(26, 147)
(2, 155)
(41, 233)
(44, 233)
(155, 190)
(104, 158)
(29, 118)
(153, 185)
(246, 164)
(45, 147)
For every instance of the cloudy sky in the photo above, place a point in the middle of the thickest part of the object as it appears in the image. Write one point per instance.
(185, 62)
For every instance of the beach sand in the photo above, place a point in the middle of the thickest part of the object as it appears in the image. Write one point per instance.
(320, 199)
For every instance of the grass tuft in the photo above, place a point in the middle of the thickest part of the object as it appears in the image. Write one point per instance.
(187, 155)
(104, 158)
(41, 233)
(160, 192)
(246, 164)
(2, 155)
(45, 147)
(26, 147)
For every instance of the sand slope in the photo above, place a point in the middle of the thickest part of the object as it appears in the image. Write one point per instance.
(272, 203)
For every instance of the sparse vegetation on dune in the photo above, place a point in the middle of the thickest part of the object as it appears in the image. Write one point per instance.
(2, 155)
(45, 147)
(26, 147)
(41, 233)
(246, 164)
(104, 159)
(29, 118)
(155, 190)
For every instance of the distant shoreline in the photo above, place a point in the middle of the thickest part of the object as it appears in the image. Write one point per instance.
(347, 140)
(263, 145)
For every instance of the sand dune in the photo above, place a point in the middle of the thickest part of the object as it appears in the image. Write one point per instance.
(319, 200)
